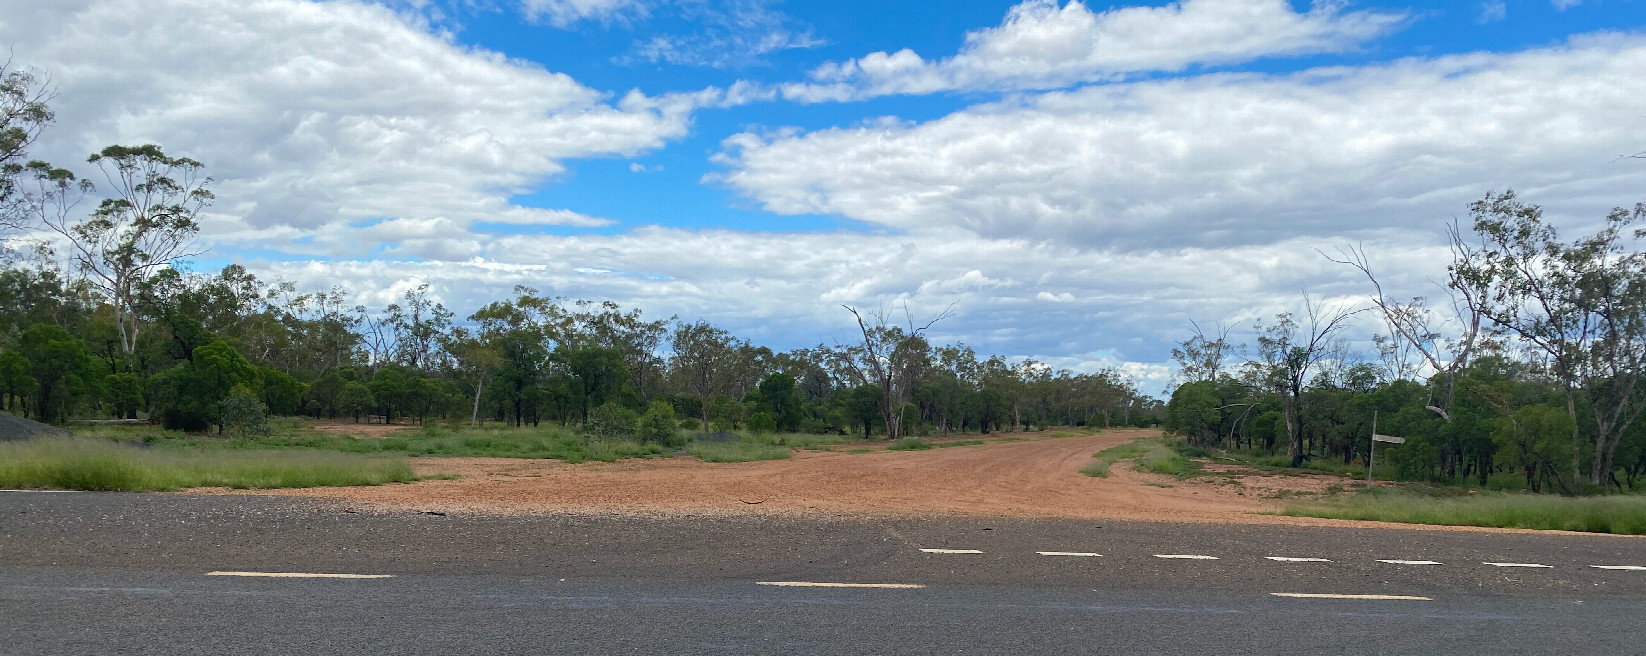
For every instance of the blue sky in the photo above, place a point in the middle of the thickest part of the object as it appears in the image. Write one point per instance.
(1080, 179)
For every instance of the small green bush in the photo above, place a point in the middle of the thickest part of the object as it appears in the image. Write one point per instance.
(690, 424)
(611, 421)
(761, 422)
(242, 414)
(909, 444)
(658, 425)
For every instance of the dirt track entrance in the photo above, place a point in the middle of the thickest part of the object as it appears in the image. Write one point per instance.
(1037, 477)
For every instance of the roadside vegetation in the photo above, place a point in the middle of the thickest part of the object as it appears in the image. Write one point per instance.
(1621, 514)
(78, 463)
(1150, 454)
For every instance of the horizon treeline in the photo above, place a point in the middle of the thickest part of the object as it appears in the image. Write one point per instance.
(202, 341)
(100, 322)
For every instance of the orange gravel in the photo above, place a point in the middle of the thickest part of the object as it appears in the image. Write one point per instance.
(1036, 478)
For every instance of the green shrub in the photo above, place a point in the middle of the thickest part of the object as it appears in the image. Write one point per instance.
(611, 421)
(1099, 469)
(242, 414)
(658, 425)
(909, 444)
(761, 422)
(690, 424)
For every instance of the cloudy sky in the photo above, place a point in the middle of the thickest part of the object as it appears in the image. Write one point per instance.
(1080, 179)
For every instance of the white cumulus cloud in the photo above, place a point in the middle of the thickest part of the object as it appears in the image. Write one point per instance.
(1042, 45)
(1229, 159)
(317, 116)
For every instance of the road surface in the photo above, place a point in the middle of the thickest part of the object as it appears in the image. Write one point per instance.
(96, 573)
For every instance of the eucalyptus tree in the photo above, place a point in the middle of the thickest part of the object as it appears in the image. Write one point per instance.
(148, 223)
(24, 114)
(890, 357)
(1291, 351)
(1443, 343)
(700, 363)
(1582, 305)
(1200, 357)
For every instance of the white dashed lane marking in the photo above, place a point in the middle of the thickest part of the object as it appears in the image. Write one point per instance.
(952, 551)
(1379, 597)
(1517, 565)
(1186, 556)
(1067, 553)
(823, 584)
(1408, 562)
(1637, 568)
(1287, 559)
(302, 575)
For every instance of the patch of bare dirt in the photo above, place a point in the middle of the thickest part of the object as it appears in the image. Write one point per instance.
(1036, 477)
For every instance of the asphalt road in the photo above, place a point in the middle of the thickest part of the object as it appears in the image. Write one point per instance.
(84, 573)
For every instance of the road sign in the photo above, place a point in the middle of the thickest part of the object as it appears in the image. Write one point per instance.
(1371, 454)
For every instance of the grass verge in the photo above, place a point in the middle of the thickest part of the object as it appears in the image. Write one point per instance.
(743, 450)
(92, 464)
(1148, 454)
(945, 445)
(1622, 514)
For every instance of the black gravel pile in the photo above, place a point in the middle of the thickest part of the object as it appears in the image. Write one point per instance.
(13, 427)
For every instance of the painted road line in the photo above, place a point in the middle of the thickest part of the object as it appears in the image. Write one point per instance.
(819, 584)
(302, 575)
(1408, 562)
(1517, 565)
(952, 551)
(1186, 556)
(1636, 568)
(1288, 559)
(1067, 553)
(1378, 597)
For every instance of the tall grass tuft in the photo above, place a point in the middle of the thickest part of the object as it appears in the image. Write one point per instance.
(909, 444)
(91, 464)
(1621, 514)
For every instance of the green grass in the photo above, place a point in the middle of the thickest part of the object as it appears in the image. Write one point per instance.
(945, 445)
(1099, 469)
(744, 450)
(1148, 454)
(909, 444)
(1161, 459)
(1623, 514)
(79, 463)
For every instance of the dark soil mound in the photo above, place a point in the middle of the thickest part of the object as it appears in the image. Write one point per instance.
(13, 427)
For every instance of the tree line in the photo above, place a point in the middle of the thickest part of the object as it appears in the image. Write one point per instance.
(1528, 374)
(102, 321)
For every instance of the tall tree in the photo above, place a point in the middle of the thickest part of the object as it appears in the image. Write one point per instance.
(1582, 305)
(23, 115)
(1291, 352)
(147, 225)
(887, 358)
